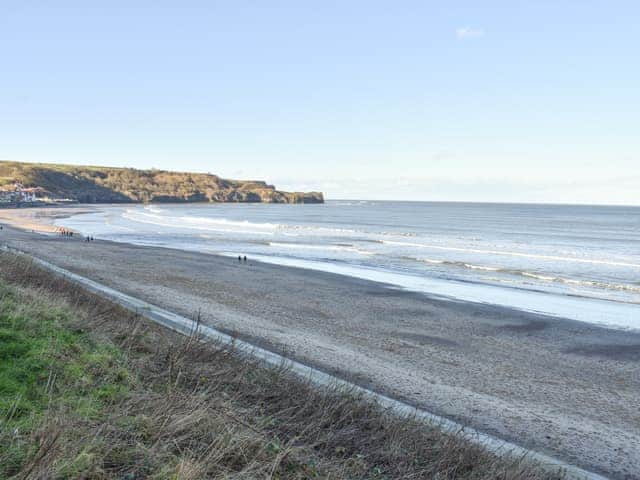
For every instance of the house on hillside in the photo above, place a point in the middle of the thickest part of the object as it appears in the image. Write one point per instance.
(33, 194)
(19, 194)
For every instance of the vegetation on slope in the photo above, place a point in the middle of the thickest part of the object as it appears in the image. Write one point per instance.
(117, 185)
(89, 391)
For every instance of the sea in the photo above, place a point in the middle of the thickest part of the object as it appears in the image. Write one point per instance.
(575, 262)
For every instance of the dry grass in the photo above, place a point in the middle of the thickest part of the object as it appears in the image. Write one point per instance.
(183, 409)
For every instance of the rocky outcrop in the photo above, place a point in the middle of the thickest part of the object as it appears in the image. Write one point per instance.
(123, 185)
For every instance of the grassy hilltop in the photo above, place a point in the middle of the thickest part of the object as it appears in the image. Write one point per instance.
(122, 185)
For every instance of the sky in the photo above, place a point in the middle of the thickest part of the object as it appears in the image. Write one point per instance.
(509, 101)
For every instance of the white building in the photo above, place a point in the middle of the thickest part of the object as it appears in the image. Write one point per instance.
(20, 194)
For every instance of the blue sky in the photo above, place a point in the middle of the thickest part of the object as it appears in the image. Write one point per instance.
(475, 100)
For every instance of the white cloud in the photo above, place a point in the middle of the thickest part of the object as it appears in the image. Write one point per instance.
(465, 33)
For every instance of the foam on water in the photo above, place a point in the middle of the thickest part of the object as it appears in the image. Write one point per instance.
(331, 247)
(201, 223)
(515, 254)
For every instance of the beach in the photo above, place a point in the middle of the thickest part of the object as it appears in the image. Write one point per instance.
(562, 387)
(40, 219)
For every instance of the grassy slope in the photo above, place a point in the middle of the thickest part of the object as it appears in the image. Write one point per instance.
(113, 185)
(87, 391)
(49, 367)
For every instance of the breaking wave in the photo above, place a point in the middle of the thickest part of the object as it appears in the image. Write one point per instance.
(201, 223)
(513, 254)
(330, 247)
(622, 287)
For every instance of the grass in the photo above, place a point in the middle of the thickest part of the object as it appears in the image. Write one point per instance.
(88, 390)
(88, 184)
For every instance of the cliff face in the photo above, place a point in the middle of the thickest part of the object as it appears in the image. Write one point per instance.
(122, 185)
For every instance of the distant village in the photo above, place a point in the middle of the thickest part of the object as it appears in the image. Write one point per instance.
(18, 195)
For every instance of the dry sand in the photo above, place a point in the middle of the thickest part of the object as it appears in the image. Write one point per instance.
(562, 387)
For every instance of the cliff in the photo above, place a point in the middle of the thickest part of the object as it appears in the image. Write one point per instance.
(122, 185)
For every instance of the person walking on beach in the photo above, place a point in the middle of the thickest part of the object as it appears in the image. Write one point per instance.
(245, 259)
(239, 259)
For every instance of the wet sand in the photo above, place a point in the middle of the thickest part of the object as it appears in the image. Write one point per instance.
(562, 387)
(40, 219)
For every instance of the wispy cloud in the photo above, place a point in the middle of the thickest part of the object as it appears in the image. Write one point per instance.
(465, 33)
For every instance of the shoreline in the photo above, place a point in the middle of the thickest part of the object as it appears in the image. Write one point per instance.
(619, 315)
(40, 219)
(593, 310)
(562, 387)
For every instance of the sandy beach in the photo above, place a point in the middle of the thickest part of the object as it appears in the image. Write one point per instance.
(40, 219)
(562, 387)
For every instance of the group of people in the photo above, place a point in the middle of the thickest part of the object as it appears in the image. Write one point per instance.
(240, 259)
(69, 233)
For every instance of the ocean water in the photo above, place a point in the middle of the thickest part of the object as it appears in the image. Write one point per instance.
(578, 262)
